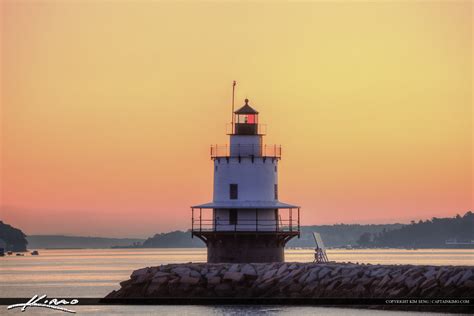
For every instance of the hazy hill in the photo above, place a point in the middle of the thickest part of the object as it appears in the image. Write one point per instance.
(13, 238)
(333, 236)
(431, 233)
(455, 232)
(175, 239)
(58, 241)
(338, 235)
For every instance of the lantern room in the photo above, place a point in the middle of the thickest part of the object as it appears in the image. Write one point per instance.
(246, 120)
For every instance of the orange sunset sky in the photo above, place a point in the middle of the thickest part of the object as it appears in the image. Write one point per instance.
(109, 108)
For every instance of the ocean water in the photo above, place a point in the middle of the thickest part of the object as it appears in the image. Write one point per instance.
(96, 272)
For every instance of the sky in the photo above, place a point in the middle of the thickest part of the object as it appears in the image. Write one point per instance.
(108, 108)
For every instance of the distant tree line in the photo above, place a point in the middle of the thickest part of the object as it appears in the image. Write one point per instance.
(456, 232)
(338, 235)
(175, 239)
(76, 242)
(333, 236)
(12, 238)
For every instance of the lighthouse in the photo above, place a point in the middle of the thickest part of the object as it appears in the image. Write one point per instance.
(245, 222)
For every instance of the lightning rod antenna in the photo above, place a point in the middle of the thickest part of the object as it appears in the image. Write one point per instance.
(233, 95)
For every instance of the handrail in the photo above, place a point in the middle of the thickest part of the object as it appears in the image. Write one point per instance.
(279, 224)
(246, 220)
(224, 225)
(245, 150)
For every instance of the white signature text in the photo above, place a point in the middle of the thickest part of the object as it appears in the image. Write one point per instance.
(41, 301)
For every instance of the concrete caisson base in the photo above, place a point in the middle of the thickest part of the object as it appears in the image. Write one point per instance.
(247, 248)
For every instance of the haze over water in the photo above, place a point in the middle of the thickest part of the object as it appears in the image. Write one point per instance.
(96, 272)
(80, 273)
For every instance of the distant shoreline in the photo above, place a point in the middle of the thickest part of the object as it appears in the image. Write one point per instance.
(203, 248)
(437, 233)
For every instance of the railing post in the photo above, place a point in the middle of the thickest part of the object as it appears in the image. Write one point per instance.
(298, 221)
(277, 217)
(215, 220)
(192, 222)
(200, 219)
(275, 213)
(291, 219)
(256, 220)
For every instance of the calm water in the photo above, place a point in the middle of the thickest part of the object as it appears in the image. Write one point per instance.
(96, 272)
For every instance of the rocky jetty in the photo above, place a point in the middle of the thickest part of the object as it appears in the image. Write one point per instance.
(298, 280)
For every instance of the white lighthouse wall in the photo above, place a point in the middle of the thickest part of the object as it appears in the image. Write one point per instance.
(256, 180)
(246, 220)
(245, 145)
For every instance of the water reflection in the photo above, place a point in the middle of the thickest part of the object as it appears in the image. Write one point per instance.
(96, 272)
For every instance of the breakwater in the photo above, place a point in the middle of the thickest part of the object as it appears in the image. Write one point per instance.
(298, 280)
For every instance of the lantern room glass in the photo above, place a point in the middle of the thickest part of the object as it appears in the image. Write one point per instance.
(246, 118)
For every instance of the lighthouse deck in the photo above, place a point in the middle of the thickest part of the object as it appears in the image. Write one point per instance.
(246, 151)
(280, 236)
(249, 226)
(249, 221)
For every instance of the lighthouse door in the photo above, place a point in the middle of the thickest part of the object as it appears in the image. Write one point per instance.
(232, 217)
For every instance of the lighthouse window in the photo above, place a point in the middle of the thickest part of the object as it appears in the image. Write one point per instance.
(276, 191)
(232, 217)
(233, 191)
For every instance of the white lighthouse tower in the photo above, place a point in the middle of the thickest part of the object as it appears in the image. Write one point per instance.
(245, 222)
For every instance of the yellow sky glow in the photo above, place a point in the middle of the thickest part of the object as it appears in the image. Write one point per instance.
(109, 108)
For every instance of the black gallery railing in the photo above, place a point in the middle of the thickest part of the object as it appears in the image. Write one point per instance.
(289, 224)
(245, 150)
